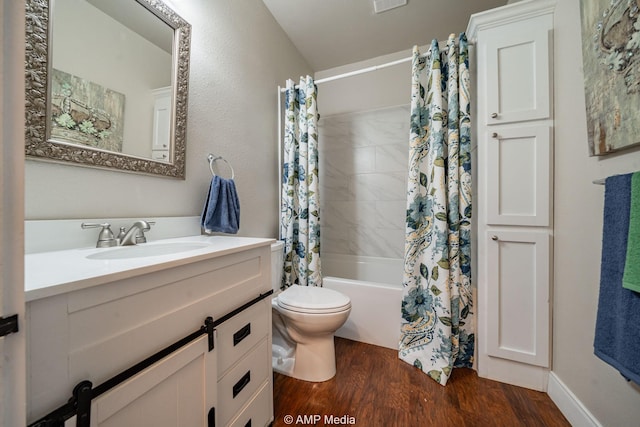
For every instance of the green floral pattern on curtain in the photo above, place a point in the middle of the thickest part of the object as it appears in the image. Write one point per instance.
(437, 319)
(300, 209)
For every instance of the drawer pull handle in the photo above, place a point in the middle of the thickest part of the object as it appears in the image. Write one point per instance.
(248, 424)
(494, 238)
(237, 388)
(242, 333)
(494, 115)
(494, 135)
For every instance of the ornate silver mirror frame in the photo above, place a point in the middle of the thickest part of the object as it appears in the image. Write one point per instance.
(37, 81)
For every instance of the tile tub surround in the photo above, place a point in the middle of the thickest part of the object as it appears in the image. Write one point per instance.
(363, 181)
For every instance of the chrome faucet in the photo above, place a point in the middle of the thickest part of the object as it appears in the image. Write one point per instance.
(135, 234)
(125, 238)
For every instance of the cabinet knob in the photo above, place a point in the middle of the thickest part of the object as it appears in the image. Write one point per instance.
(494, 115)
(494, 135)
(494, 238)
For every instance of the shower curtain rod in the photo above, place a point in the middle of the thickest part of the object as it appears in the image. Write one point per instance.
(361, 71)
(366, 70)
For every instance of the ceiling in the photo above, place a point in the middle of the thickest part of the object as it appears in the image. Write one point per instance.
(330, 33)
(139, 20)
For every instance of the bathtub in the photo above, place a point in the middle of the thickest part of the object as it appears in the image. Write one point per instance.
(374, 286)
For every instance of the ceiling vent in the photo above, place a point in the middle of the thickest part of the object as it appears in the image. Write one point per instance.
(380, 6)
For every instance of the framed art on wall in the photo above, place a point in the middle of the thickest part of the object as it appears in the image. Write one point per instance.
(611, 60)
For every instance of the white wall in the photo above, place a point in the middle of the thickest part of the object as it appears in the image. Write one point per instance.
(578, 233)
(238, 57)
(13, 347)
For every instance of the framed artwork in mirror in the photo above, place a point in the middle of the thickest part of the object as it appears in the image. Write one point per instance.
(86, 113)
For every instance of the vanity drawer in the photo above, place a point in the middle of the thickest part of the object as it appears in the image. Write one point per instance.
(257, 413)
(242, 332)
(240, 383)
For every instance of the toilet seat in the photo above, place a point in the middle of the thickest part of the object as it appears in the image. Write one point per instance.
(313, 300)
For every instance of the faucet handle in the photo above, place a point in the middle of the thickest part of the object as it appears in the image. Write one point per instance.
(106, 239)
(86, 225)
(141, 238)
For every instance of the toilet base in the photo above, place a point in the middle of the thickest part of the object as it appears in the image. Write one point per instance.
(315, 361)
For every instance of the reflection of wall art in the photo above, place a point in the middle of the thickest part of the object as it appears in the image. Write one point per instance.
(86, 113)
(611, 59)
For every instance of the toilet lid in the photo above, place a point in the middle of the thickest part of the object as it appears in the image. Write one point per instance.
(313, 299)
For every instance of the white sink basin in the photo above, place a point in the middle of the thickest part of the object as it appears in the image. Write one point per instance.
(57, 272)
(147, 250)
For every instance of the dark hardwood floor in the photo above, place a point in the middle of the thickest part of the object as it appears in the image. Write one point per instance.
(374, 388)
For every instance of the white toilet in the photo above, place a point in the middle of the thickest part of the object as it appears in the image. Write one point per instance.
(304, 321)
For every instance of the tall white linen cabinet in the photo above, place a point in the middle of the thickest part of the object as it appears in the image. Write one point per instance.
(511, 66)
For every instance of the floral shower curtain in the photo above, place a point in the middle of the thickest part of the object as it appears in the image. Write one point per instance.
(437, 322)
(300, 209)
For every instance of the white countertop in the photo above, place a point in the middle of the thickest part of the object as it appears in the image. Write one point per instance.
(53, 273)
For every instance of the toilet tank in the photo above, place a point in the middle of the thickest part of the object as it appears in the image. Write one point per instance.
(277, 262)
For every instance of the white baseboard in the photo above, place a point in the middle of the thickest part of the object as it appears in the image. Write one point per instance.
(570, 406)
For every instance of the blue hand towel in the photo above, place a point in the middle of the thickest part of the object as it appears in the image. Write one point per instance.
(221, 211)
(618, 320)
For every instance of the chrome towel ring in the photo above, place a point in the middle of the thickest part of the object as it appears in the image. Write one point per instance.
(213, 158)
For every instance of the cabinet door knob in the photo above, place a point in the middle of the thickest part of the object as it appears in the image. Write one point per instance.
(494, 115)
(494, 135)
(494, 238)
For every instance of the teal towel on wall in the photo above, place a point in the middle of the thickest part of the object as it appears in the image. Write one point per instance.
(631, 278)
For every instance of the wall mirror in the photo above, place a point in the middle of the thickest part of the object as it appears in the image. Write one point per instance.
(107, 84)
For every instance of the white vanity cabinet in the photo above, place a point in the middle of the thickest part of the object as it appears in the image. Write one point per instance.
(96, 332)
(512, 59)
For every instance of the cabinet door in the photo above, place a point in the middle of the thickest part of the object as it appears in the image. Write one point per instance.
(177, 391)
(162, 123)
(518, 171)
(517, 71)
(518, 282)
